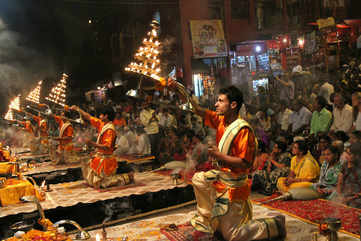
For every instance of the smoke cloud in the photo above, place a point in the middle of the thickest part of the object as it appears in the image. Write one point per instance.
(22, 63)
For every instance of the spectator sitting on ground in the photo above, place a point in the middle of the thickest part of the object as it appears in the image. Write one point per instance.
(142, 143)
(329, 172)
(323, 142)
(342, 115)
(300, 118)
(349, 185)
(321, 117)
(276, 165)
(356, 108)
(304, 169)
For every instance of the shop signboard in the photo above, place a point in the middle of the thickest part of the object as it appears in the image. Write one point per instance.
(208, 38)
(325, 22)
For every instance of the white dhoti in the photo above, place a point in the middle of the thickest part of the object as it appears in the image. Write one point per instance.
(231, 219)
(102, 180)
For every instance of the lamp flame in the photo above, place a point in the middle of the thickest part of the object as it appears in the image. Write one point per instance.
(14, 104)
(43, 184)
(97, 237)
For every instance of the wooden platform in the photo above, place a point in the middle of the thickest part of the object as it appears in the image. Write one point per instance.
(89, 206)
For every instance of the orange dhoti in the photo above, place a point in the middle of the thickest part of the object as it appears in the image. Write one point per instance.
(100, 172)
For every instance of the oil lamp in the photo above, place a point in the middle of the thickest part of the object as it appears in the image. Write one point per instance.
(328, 227)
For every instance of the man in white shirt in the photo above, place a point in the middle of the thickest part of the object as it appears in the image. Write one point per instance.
(342, 115)
(149, 119)
(326, 90)
(167, 120)
(284, 116)
(300, 118)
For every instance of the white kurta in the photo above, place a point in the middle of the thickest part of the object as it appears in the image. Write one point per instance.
(342, 119)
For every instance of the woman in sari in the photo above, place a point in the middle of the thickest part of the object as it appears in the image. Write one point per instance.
(330, 171)
(277, 164)
(304, 169)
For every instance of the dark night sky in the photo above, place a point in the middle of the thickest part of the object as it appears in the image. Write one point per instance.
(31, 43)
(40, 39)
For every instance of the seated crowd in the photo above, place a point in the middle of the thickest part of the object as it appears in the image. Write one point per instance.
(311, 138)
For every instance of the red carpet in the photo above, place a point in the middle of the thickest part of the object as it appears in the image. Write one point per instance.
(185, 232)
(315, 210)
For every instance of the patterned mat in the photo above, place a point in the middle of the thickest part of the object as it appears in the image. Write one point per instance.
(152, 228)
(314, 211)
(72, 193)
(185, 232)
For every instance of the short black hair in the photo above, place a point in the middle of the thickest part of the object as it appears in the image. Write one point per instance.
(281, 145)
(341, 135)
(321, 101)
(233, 94)
(107, 110)
(334, 150)
(302, 146)
(324, 137)
(357, 134)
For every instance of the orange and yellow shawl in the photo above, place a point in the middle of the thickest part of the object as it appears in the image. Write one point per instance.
(243, 146)
(43, 126)
(103, 161)
(65, 130)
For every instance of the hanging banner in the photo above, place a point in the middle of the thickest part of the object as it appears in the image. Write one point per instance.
(325, 22)
(208, 39)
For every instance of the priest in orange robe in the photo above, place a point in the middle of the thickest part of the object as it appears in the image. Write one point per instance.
(65, 151)
(100, 171)
(222, 193)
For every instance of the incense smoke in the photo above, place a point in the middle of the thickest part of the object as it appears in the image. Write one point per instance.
(21, 63)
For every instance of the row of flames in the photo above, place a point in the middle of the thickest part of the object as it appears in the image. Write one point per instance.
(147, 57)
(57, 95)
(147, 63)
(14, 105)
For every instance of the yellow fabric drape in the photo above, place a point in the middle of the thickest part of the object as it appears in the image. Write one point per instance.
(6, 168)
(14, 189)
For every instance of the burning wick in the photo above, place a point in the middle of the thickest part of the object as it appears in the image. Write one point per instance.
(43, 184)
(47, 189)
(97, 237)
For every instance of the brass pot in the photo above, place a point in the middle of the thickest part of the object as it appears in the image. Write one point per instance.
(24, 225)
(334, 224)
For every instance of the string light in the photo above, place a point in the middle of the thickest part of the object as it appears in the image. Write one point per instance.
(147, 57)
(57, 94)
(34, 95)
(14, 104)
